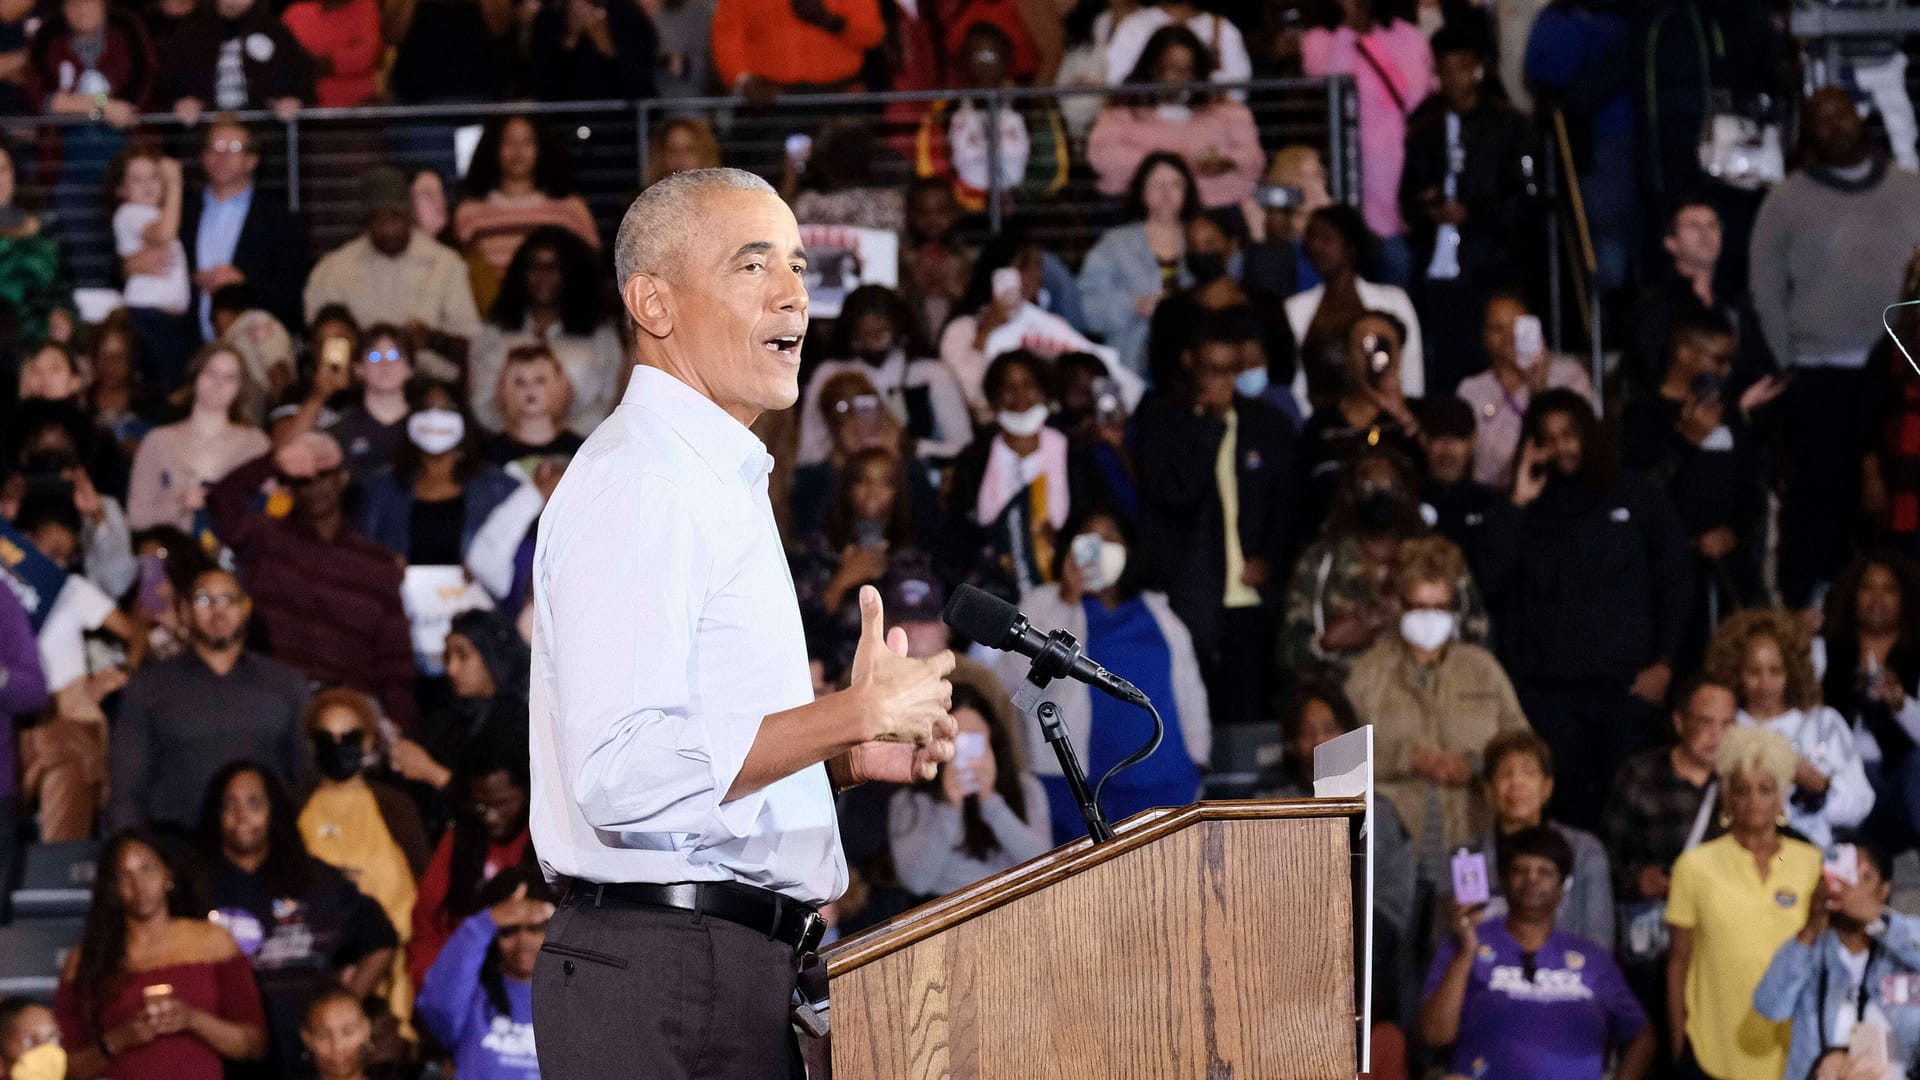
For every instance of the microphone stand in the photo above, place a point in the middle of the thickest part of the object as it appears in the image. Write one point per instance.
(1054, 662)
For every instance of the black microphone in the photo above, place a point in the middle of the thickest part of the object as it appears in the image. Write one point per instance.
(997, 624)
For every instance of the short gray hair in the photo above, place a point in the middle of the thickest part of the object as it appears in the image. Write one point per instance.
(658, 224)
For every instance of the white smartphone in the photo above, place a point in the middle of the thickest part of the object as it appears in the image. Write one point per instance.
(969, 748)
(1529, 342)
(1006, 284)
(1843, 867)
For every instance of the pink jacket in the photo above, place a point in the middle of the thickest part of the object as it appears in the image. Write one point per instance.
(1122, 137)
(1401, 49)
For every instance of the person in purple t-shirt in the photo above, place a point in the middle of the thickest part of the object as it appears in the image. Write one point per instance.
(1517, 998)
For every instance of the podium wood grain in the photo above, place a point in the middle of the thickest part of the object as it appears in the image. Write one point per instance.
(1209, 943)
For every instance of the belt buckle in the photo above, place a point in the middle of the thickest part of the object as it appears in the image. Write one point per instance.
(812, 929)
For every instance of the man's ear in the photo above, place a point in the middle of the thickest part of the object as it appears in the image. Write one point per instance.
(648, 297)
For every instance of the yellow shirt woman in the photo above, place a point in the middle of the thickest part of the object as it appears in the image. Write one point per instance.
(343, 827)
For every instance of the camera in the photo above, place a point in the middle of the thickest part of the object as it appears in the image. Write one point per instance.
(1279, 197)
(1107, 406)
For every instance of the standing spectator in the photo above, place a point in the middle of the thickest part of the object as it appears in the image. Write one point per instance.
(976, 817)
(337, 1034)
(1098, 428)
(1587, 573)
(856, 419)
(371, 430)
(137, 937)
(167, 742)
(478, 997)
(232, 56)
(145, 186)
(1132, 35)
(519, 182)
(177, 464)
(1734, 901)
(1434, 702)
(679, 144)
(1370, 412)
(1853, 942)
(1276, 262)
(1132, 267)
(234, 238)
(586, 51)
(1518, 767)
(1501, 395)
(999, 313)
(427, 506)
(1215, 135)
(684, 65)
(487, 670)
(551, 298)
(1766, 655)
(533, 395)
(1336, 242)
(1097, 596)
(300, 922)
(1485, 993)
(1389, 59)
(1458, 502)
(329, 598)
(394, 274)
(1872, 639)
(869, 532)
(935, 259)
(1693, 283)
(1829, 247)
(362, 825)
(343, 39)
(30, 1041)
(1030, 150)
(1218, 517)
(1465, 194)
(426, 33)
(1011, 491)
(1890, 471)
(762, 48)
(875, 335)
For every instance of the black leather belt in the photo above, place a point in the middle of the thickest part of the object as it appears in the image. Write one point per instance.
(780, 918)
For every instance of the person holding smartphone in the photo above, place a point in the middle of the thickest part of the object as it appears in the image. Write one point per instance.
(1522, 368)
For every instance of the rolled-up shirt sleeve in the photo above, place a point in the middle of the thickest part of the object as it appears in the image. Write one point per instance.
(626, 589)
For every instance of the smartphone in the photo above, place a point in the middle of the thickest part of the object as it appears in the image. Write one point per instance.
(334, 354)
(1086, 550)
(1006, 284)
(1379, 357)
(1529, 343)
(156, 992)
(153, 585)
(799, 149)
(1108, 409)
(1279, 197)
(969, 748)
(1843, 866)
(1470, 883)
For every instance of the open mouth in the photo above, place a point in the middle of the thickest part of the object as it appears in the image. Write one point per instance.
(786, 344)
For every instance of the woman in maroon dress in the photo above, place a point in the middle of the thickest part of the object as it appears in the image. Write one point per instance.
(148, 993)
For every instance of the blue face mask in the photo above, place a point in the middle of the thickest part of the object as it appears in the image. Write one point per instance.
(1252, 382)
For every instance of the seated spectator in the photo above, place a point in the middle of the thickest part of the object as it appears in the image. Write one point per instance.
(362, 825)
(1030, 149)
(371, 429)
(57, 451)
(1370, 409)
(762, 48)
(1339, 602)
(1586, 570)
(1296, 186)
(836, 182)
(180, 563)
(1466, 194)
(488, 835)
(117, 396)
(1012, 490)
(49, 371)
(1214, 134)
(487, 663)
(1389, 59)
(936, 261)
(167, 743)
(681, 143)
(869, 532)
(1690, 435)
(143, 186)
(1335, 241)
(1765, 654)
(1691, 284)
(30, 1041)
(583, 51)
(519, 182)
(328, 599)
(551, 297)
(1317, 712)
(1097, 595)
(343, 39)
(1501, 394)
(1872, 649)
(300, 922)
(1096, 423)
(432, 211)
(232, 238)
(1217, 520)
(425, 33)
(1434, 702)
(393, 274)
(979, 815)
(875, 335)
(427, 506)
(533, 395)
(1727, 920)
(1487, 993)
(208, 1016)
(1133, 266)
(1853, 941)
(1518, 769)
(178, 463)
(856, 419)
(234, 37)
(1459, 503)
(477, 999)
(337, 1035)
(1133, 32)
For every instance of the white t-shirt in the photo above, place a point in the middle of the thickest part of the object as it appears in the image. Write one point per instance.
(165, 291)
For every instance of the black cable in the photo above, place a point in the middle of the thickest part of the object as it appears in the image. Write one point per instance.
(1138, 756)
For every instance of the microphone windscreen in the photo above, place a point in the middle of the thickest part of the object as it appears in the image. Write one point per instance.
(980, 616)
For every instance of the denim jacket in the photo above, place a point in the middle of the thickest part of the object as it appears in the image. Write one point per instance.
(1791, 990)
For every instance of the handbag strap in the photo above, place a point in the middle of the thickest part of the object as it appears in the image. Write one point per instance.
(1704, 815)
(1380, 69)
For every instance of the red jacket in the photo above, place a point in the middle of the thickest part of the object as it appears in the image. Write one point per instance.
(432, 926)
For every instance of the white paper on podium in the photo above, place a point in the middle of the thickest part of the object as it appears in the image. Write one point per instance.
(1343, 769)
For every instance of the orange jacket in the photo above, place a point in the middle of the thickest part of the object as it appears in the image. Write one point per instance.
(764, 38)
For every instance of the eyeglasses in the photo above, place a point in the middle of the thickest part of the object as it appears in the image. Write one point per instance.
(537, 928)
(384, 356)
(209, 601)
(228, 146)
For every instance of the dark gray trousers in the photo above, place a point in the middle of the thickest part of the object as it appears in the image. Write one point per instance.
(624, 993)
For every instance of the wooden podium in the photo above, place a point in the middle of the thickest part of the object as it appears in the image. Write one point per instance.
(1211, 942)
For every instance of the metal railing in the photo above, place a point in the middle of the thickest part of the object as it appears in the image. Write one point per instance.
(314, 158)
(1570, 251)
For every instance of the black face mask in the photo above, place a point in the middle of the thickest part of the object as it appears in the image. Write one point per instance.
(339, 758)
(1206, 267)
(1378, 510)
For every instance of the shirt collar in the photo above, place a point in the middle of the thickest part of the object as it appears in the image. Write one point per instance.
(726, 445)
(240, 198)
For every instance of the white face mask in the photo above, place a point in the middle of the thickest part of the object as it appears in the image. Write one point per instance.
(1109, 562)
(436, 431)
(1023, 425)
(1426, 629)
(1174, 112)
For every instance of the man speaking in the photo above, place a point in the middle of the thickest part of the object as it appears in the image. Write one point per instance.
(683, 774)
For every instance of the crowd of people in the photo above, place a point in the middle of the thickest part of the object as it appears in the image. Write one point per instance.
(1647, 645)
